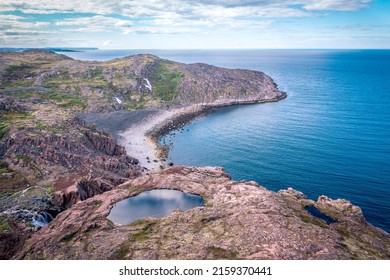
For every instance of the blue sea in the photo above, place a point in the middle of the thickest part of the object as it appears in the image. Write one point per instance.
(331, 136)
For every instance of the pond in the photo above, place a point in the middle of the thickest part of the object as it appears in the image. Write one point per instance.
(154, 203)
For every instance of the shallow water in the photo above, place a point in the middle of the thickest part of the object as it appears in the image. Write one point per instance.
(155, 203)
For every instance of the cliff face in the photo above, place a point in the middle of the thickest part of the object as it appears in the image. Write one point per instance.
(240, 220)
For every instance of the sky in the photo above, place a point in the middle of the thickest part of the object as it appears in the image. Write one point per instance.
(204, 24)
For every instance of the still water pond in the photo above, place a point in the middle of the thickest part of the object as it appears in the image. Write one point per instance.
(155, 203)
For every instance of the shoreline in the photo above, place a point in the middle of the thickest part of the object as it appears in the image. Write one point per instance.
(141, 139)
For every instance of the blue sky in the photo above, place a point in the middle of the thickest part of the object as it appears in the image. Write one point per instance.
(186, 24)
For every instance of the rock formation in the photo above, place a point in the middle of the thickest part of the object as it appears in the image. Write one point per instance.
(240, 220)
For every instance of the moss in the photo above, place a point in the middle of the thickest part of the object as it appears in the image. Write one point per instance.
(220, 253)
(49, 187)
(312, 220)
(97, 204)
(5, 227)
(68, 237)
(4, 129)
(144, 232)
(41, 126)
(19, 156)
(121, 252)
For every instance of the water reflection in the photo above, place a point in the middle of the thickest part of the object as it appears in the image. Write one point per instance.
(155, 203)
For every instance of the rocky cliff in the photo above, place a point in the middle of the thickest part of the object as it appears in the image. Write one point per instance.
(240, 220)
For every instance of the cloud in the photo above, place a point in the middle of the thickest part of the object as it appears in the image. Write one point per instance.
(20, 18)
(337, 5)
(8, 22)
(166, 14)
(161, 8)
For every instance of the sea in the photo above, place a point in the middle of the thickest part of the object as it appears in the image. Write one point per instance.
(330, 136)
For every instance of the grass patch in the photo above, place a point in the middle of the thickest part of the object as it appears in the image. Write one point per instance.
(65, 101)
(132, 106)
(4, 129)
(15, 76)
(5, 227)
(41, 126)
(165, 82)
(56, 82)
(8, 118)
(143, 233)
(22, 95)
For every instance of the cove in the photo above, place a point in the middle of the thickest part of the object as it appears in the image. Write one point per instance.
(154, 203)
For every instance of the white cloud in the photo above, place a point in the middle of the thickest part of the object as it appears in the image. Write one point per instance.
(161, 8)
(127, 17)
(8, 22)
(94, 24)
(336, 5)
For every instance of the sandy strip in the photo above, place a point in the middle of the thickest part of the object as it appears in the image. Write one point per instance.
(140, 139)
(140, 146)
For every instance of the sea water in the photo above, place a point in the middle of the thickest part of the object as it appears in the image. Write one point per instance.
(331, 136)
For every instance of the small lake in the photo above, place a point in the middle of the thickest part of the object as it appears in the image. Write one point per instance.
(155, 203)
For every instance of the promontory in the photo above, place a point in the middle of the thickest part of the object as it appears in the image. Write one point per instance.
(73, 140)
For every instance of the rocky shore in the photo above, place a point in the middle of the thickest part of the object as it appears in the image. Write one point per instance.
(240, 220)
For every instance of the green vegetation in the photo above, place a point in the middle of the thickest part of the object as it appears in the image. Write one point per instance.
(121, 252)
(146, 229)
(8, 118)
(165, 82)
(15, 76)
(5, 226)
(68, 237)
(12, 183)
(23, 95)
(132, 106)
(4, 129)
(41, 126)
(220, 253)
(64, 100)
(92, 77)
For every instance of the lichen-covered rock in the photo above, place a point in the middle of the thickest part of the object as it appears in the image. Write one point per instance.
(240, 220)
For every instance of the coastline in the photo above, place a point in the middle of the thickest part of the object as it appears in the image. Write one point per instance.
(141, 139)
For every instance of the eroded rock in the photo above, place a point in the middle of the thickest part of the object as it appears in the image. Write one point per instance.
(240, 220)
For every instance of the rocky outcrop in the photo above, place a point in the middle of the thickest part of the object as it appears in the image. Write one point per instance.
(240, 220)
(40, 166)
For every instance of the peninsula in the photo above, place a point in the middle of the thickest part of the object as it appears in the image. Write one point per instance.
(76, 137)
